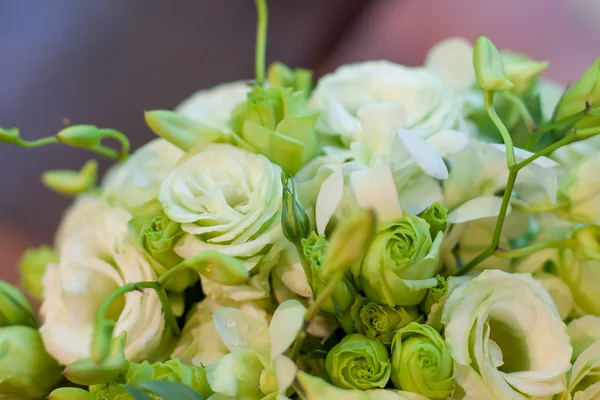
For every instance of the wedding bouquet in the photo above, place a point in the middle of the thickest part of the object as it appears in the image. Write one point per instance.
(389, 232)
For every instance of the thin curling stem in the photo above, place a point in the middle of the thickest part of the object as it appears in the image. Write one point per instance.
(121, 138)
(261, 40)
(130, 287)
(525, 251)
(39, 142)
(510, 151)
(587, 112)
(522, 108)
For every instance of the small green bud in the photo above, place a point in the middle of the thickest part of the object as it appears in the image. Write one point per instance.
(299, 79)
(70, 393)
(88, 136)
(15, 309)
(489, 69)
(87, 372)
(218, 267)
(434, 294)
(436, 215)
(26, 370)
(101, 340)
(294, 219)
(586, 91)
(33, 267)
(11, 136)
(358, 362)
(522, 70)
(421, 362)
(349, 241)
(180, 130)
(72, 183)
(588, 242)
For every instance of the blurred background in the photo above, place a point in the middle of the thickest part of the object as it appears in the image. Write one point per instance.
(105, 62)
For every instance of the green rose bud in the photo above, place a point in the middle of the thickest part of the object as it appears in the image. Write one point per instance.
(436, 216)
(86, 371)
(218, 267)
(401, 263)
(277, 123)
(342, 298)
(298, 79)
(421, 362)
(434, 294)
(11, 136)
(489, 69)
(72, 183)
(26, 370)
(182, 131)
(156, 236)
(15, 309)
(358, 362)
(69, 393)
(294, 219)
(522, 70)
(588, 242)
(380, 322)
(88, 136)
(33, 266)
(585, 91)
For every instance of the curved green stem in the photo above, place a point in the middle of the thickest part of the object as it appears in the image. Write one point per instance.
(39, 142)
(522, 108)
(525, 251)
(510, 151)
(304, 262)
(120, 137)
(590, 112)
(261, 40)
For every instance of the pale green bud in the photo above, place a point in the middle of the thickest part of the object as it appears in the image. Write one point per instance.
(436, 215)
(358, 362)
(70, 393)
(276, 122)
(434, 294)
(72, 183)
(87, 372)
(15, 309)
(349, 241)
(294, 219)
(588, 242)
(88, 136)
(101, 340)
(180, 130)
(522, 70)
(421, 362)
(489, 69)
(33, 267)
(26, 369)
(298, 79)
(11, 136)
(218, 267)
(585, 91)
(380, 322)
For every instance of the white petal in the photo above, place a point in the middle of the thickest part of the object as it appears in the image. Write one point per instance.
(452, 60)
(427, 157)
(241, 332)
(374, 188)
(285, 369)
(449, 141)
(477, 208)
(328, 199)
(221, 375)
(285, 325)
(420, 193)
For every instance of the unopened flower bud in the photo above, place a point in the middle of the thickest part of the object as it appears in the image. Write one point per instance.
(9, 135)
(15, 309)
(522, 70)
(180, 130)
(436, 215)
(294, 219)
(588, 242)
(33, 267)
(434, 294)
(72, 183)
(489, 69)
(70, 393)
(88, 136)
(218, 267)
(101, 340)
(349, 241)
(299, 79)
(586, 91)
(87, 372)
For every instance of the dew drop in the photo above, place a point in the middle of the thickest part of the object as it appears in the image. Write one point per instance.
(230, 323)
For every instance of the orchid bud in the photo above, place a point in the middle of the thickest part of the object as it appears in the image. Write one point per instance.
(489, 69)
(294, 219)
(72, 183)
(88, 136)
(70, 393)
(15, 309)
(87, 372)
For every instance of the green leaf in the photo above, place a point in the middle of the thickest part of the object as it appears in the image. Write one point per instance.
(171, 390)
(137, 394)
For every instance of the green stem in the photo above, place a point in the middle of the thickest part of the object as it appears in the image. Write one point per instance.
(525, 251)
(120, 137)
(105, 151)
(130, 287)
(39, 142)
(522, 108)
(541, 209)
(594, 111)
(304, 262)
(510, 151)
(261, 40)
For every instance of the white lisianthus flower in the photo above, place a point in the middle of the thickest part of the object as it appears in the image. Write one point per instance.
(228, 200)
(584, 380)
(431, 105)
(580, 190)
(499, 329)
(134, 185)
(213, 106)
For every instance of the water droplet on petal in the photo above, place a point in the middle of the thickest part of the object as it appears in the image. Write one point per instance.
(230, 323)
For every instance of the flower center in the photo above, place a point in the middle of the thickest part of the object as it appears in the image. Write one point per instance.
(268, 382)
(374, 316)
(513, 347)
(360, 369)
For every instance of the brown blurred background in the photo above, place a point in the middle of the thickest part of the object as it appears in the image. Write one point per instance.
(104, 62)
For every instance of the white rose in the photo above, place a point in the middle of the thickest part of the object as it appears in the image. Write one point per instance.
(213, 106)
(430, 104)
(226, 199)
(506, 338)
(135, 183)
